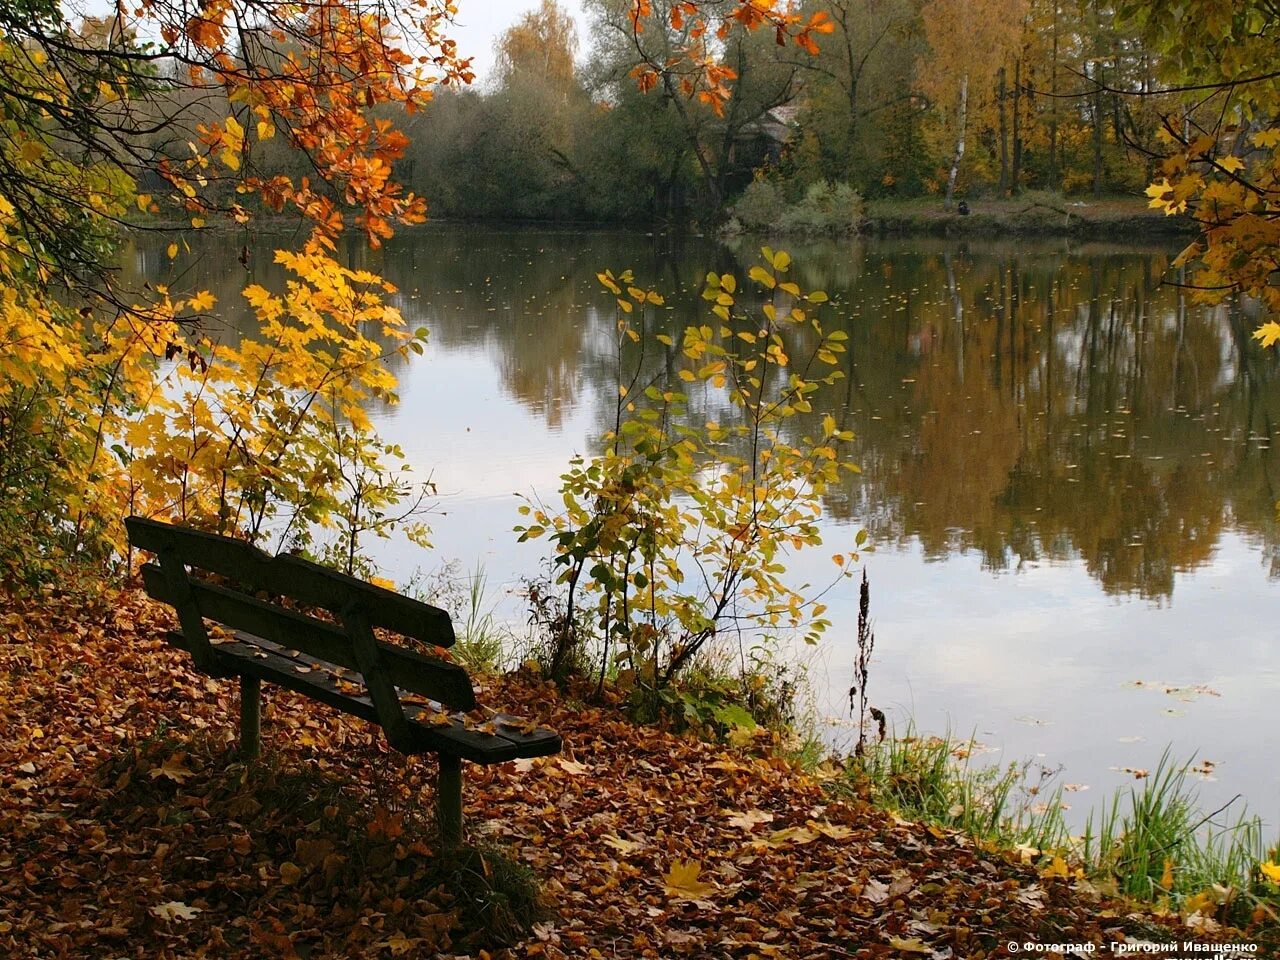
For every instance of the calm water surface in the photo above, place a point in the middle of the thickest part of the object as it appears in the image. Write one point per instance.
(1069, 471)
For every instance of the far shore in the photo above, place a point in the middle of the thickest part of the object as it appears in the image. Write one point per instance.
(1027, 215)
(1112, 218)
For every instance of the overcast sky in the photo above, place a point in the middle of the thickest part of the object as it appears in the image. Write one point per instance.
(480, 22)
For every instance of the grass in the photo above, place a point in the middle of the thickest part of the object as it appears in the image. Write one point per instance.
(932, 779)
(1153, 841)
(1149, 841)
(483, 643)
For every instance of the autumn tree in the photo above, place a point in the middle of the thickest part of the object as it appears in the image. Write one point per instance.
(540, 46)
(115, 399)
(858, 89)
(969, 43)
(717, 80)
(1223, 145)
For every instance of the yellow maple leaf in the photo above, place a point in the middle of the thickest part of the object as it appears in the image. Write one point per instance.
(682, 880)
(748, 819)
(202, 301)
(1268, 333)
(1271, 871)
(1267, 139)
(1056, 868)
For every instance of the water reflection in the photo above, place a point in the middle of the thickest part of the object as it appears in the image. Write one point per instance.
(1028, 402)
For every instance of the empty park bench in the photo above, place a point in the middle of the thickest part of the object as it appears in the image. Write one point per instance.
(415, 698)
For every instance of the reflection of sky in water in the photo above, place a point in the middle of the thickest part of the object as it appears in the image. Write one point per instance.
(1067, 494)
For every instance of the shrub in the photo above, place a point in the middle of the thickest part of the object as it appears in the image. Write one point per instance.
(760, 207)
(832, 209)
(669, 493)
(827, 208)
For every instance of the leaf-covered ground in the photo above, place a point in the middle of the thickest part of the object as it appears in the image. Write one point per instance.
(128, 829)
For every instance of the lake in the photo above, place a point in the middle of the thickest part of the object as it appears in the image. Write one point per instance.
(1069, 471)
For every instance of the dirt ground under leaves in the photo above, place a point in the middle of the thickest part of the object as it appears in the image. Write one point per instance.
(128, 828)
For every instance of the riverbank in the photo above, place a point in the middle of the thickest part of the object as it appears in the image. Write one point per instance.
(132, 830)
(1034, 214)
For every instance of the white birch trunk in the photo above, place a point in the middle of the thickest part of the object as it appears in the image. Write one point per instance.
(961, 121)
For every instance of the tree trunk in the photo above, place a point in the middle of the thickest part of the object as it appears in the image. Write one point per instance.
(1097, 132)
(1004, 136)
(961, 119)
(1053, 108)
(1016, 183)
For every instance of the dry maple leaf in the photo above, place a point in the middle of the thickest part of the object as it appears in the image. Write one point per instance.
(173, 769)
(877, 891)
(912, 945)
(748, 819)
(834, 831)
(175, 910)
(621, 844)
(573, 767)
(682, 880)
(797, 835)
(399, 945)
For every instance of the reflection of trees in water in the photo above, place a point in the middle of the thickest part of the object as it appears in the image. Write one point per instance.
(1077, 406)
(1024, 402)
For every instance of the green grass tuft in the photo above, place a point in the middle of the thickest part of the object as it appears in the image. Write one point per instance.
(1150, 841)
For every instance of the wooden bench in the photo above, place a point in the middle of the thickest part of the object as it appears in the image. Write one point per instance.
(417, 699)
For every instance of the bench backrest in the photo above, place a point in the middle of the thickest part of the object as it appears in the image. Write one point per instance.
(357, 605)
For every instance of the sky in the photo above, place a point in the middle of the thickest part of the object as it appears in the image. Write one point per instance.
(481, 22)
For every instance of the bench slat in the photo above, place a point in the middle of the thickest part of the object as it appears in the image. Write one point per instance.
(539, 742)
(431, 677)
(294, 577)
(245, 657)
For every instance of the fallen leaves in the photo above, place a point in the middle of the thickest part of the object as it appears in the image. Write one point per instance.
(646, 844)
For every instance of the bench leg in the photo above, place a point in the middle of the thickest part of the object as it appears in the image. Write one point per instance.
(250, 717)
(449, 800)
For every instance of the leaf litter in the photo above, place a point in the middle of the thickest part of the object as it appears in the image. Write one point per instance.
(131, 829)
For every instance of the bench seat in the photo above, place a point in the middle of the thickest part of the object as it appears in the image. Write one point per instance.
(435, 729)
